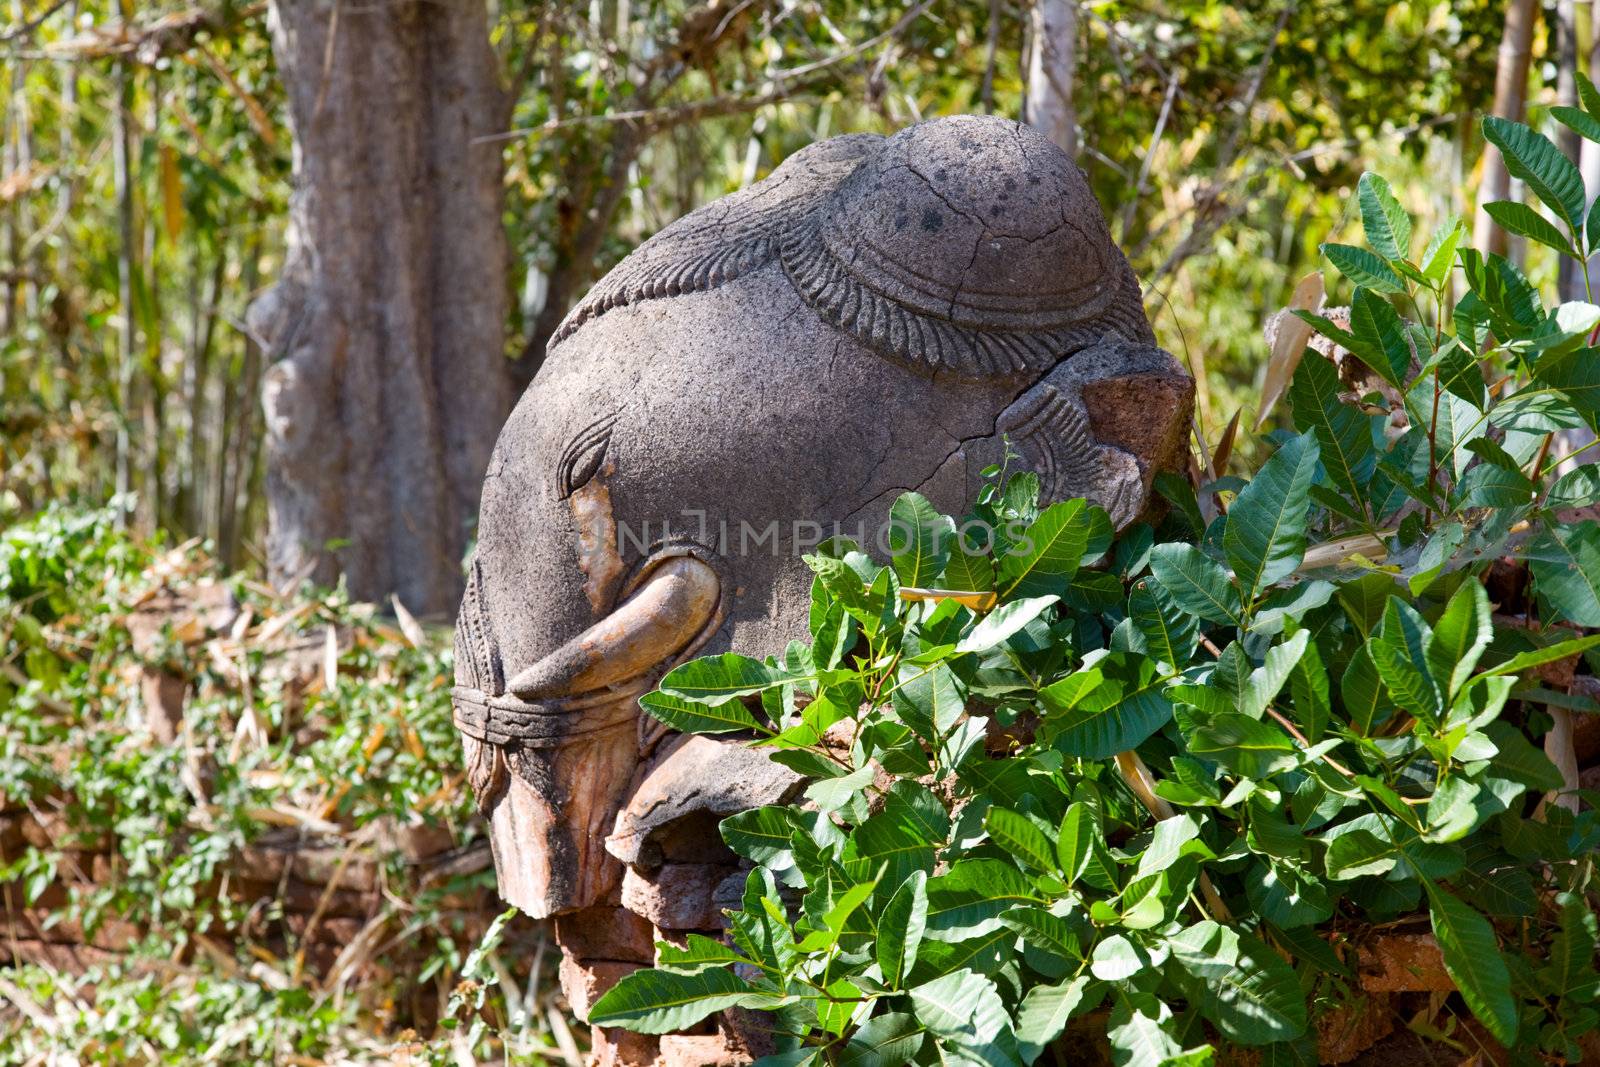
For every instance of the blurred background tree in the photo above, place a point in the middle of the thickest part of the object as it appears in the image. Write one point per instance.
(150, 152)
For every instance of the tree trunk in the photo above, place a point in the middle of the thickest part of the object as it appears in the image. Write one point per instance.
(127, 336)
(388, 381)
(1510, 93)
(1569, 276)
(1052, 66)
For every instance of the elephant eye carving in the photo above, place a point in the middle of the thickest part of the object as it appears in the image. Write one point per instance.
(582, 458)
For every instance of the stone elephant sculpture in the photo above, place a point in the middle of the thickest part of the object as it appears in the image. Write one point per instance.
(878, 315)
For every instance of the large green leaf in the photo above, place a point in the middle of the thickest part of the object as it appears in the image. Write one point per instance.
(1565, 561)
(1440, 255)
(967, 900)
(1265, 682)
(1265, 537)
(659, 1002)
(1399, 651)
(919, 540)
(1141, 1033)
(1054, 934)
(1005, 620)
(1580, 122)
(928, 699)
(1383, 220)
(968, 571)
(965, 1009)
(1472, 958)
(1379, 337)
(698, 953)
(1362, 693)
(1246, 746)
(1459, 638)
(1524, 221)
(1020, 838)
(760, 834)
(1460, 373)
(1287, 899)
(1364, 268)
(896, 840)
(984, 953)
(716, 680)
(1045, 1012)
(1578, 488)
(1310, 692)
(1079, 827)
(1537, 657)
(1121, 713)
(1169, 632)
(696, 718)
(1245, 988)
(1588, 95)
(1359, 853)
(1344, 437)
(1531, 156)
(1517, 760)
(1167, 843)
(888, 1040)
(1501, 294)
(1199, 585)
(1044, 560)
(900, 928)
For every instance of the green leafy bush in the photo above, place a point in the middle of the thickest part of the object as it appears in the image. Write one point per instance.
(1171, 775)
(212, 973)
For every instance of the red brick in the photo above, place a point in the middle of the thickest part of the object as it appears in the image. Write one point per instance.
(622, 1048)
(586, 981)
(676, 896)
(1353, 1027)
(710, 1050)
(1403, 963)
(606, 934)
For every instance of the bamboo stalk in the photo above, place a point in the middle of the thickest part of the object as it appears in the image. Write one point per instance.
(121, 152)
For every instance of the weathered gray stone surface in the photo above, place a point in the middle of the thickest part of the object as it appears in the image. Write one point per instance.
(876, 316)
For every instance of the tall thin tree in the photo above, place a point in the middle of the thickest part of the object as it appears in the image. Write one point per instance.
(386, 331)
(1052, 67)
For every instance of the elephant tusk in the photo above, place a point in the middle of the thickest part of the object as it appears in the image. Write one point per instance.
(670, 608)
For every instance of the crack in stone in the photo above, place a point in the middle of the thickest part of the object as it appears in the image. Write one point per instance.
(833, 357)
(961, 443)
(942, 198)
(955, 298)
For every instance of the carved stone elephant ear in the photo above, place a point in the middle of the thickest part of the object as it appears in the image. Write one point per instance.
(728, 238)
